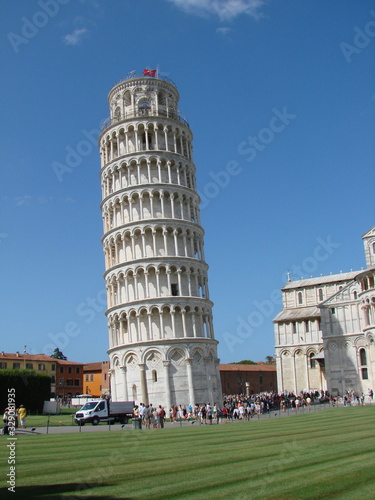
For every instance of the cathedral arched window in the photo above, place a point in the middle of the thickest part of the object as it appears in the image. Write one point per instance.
(117, 113)
(312, 361)
(144, 108)
(154, 376)
(161, 98)
(320, 294)
(363, 363)
(362, 357)
(300, 298)
(127, 98)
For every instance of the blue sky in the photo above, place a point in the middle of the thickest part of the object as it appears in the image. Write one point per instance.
(280, 97)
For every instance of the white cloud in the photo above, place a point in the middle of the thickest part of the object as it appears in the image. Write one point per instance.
(70, 201)
(22, 200)
(27, 200)
(75, 37)
(223, 30)
(224, 9)
(44, 199)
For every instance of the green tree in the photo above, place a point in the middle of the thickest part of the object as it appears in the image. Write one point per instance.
(57, 354)
(270, 360)
(29, 388)
(244, 362)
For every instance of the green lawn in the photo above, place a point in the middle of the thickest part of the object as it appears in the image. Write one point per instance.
(52, 420)
(326, 454)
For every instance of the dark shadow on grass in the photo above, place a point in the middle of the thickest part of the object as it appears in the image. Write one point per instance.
(54, 492)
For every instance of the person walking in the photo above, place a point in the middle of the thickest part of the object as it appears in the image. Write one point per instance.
(161, 416)
(22, 414)
(5, 422)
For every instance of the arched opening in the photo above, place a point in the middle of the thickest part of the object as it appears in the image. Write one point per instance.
(312, 361)
(144, 108)
(117, 114)
(363, 363)
(362, 357)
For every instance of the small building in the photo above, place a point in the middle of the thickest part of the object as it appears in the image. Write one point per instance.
(248, 379)
(96, 379)
(40, 363)
(69, 378)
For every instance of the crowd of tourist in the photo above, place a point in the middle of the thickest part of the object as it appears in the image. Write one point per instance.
(243, 407)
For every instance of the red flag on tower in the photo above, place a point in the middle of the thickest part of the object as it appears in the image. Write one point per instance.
(149, 72)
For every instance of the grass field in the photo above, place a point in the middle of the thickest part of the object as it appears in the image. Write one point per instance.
(51, 420)
(327, 454)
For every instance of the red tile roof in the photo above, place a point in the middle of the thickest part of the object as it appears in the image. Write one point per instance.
(66, 362)
(35, 357)
(247, 368)
(92, 367)
(27, 357)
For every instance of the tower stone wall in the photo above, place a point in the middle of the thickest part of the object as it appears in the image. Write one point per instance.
(162, 347)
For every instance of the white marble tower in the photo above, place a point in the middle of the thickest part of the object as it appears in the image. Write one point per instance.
(161, 340)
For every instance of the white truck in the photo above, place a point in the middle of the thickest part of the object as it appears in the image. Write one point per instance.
(104, 410)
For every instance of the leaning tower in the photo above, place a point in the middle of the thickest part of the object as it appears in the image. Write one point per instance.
(161, 340)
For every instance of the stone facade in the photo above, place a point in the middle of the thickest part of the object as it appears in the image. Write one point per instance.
(248, 379)
(161, 340)
(96, 379)
(325, 333)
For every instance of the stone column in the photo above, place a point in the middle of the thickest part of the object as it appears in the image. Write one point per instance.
(207, 363)
(307, 360)
(183, 313)
(149, 333)
(112, 384)
(279, 367)
(125, 382)
(174, 336)
(294, 374)
(194, 319)
(142, 372)
(189, 369)
(167, 385)
(175, 235)
(169, 174)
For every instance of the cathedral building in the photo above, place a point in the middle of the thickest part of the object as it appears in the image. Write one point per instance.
(324, 336)
(162, 347)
